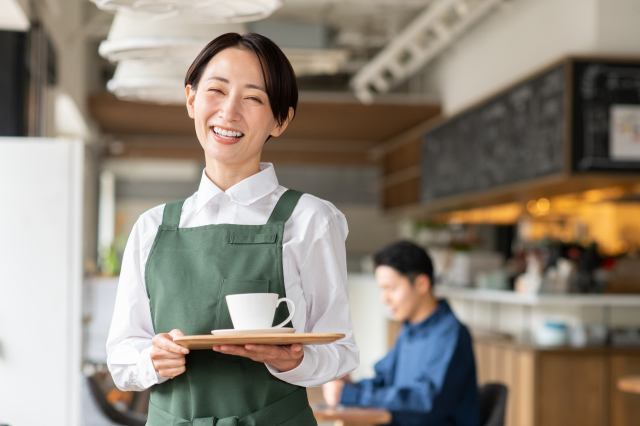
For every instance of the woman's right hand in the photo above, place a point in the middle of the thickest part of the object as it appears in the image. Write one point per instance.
(168, 357)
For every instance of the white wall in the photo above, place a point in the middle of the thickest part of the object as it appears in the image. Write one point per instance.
(41, 185)
(525, 35)
(618, 30)
(369, 318)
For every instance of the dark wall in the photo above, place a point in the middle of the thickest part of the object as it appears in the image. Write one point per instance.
(13, 80)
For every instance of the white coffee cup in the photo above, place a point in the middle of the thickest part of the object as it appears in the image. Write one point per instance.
(255, 311)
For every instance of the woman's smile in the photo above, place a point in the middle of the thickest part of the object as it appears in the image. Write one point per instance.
(226, 136)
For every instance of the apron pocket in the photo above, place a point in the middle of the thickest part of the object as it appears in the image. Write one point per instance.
(229, 286)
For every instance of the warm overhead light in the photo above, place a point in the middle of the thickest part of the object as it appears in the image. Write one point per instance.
(211, 11)
(543, 204)
(13, 17)
(532, 206)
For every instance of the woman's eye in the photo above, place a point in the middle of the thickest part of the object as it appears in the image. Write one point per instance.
(215, 90)
(255, 99)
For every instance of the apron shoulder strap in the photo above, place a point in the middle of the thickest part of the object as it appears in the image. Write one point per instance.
(285, 206)
(171, 215)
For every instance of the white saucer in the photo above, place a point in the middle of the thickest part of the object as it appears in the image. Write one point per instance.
(233, 331)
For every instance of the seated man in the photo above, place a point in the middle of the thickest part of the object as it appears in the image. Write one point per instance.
(429, 377)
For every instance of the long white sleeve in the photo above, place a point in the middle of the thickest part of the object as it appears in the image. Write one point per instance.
(129, 341)
(323, 275)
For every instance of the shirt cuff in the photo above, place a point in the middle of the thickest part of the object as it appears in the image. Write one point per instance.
(301, 372)
(350, 395)
(147, 374)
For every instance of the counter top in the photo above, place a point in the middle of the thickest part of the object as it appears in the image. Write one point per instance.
(564, 349)
(510, 297)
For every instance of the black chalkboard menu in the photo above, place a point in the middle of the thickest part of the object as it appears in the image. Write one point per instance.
(586, 110)
(606, 116)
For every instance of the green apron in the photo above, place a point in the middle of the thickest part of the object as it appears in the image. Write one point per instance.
(188, 274)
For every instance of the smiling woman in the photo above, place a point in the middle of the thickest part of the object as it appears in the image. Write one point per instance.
(239, 88)
(241, 232)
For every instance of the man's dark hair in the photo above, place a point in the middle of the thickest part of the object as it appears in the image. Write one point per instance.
(279, 78)
(407, 258)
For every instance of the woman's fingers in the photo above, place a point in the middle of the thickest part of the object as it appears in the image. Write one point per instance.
(176, 333)
(172, 372)
(263, 353)
(284, 358)
(165, 342)
(161, 354)
(167, 355)
(169, 362)
(240, 351)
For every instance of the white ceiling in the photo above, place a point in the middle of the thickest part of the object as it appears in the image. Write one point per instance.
(357, 22)
(358, 29)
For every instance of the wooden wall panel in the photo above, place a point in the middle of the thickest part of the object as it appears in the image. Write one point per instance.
(624, 406)
(405, 156)
(401, 194)
(401, 175)
(515, 369)
(571, 389)
(563, 387)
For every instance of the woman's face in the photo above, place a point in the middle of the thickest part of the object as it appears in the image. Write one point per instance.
(231, 109)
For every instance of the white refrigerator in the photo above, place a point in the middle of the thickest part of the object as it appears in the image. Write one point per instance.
(41, 190)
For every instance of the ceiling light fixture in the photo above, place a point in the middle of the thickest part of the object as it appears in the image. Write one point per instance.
(211, 11)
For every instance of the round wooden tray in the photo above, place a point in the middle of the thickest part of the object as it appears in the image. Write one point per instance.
(206, 341)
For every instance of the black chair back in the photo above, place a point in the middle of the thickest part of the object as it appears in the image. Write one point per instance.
(493, 403)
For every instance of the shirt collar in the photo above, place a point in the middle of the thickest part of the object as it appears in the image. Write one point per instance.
(442, 310)
(245, 192)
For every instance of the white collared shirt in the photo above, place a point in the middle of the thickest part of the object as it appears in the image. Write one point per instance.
(315, 279)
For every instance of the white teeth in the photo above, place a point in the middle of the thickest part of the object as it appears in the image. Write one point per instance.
(227, 133)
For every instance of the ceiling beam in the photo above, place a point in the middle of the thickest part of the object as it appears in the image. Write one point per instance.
(432, 31)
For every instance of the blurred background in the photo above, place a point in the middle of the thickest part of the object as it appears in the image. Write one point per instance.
(501, 135)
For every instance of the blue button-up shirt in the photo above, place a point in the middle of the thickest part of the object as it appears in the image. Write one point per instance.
(428, 378)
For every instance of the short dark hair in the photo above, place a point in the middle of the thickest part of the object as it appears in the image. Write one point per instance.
(407, 258)
(279, 78)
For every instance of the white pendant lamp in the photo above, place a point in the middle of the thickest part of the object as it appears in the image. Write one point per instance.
(212, 11)
(149, 81)
(154, 56)
(133, 37)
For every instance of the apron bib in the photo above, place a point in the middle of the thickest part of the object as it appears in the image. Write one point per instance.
(188, 274)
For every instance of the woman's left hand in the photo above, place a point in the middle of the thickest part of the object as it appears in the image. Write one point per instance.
(284, 358)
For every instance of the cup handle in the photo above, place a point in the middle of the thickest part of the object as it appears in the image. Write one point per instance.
(292, 309)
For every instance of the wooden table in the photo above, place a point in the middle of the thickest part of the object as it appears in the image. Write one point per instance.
(352, 416)
(345, 416)
(629, 384)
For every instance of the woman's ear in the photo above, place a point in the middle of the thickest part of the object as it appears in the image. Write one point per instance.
(191, 97)
(279, 128)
